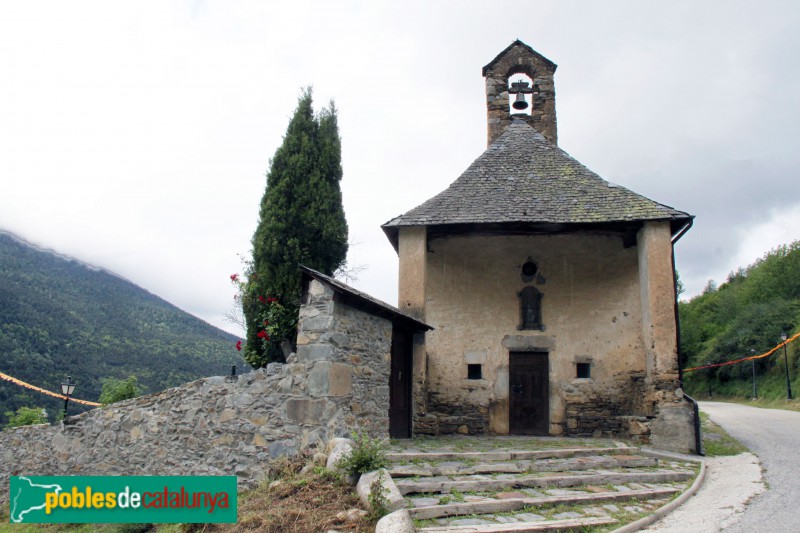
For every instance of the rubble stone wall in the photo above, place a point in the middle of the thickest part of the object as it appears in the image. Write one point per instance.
(335, 385)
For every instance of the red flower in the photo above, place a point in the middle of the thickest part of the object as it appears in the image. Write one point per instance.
(234, 277)
(262, 335)
(271, 299)
(266, 322)
(239, 346)
(262, 299)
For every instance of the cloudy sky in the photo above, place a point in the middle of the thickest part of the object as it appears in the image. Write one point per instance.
(136, 135)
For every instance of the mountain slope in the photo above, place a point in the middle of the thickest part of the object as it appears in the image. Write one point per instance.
(59, 317)
(744, 316)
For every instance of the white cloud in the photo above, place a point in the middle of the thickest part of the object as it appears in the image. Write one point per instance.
(136, 136)
(781, 226)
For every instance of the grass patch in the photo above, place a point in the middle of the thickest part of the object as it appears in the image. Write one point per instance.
(549, 512)
(771, 389)
(764, 403)
(430, 522)
(716, 440)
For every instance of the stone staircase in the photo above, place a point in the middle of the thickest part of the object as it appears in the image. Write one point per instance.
(515, 484)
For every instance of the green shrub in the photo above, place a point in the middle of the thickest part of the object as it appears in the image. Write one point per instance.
(368, 454)
(378, 502)
(26, 416)
(116, 390)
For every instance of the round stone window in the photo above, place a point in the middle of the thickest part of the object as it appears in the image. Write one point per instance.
(529, 270)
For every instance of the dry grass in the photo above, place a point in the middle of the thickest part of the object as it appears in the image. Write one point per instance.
(291, 502)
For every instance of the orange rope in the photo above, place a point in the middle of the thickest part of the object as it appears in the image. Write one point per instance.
(761, 356)
(21, 383)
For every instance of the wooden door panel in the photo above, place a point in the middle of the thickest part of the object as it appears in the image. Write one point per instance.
(529, 393)
(400, 386)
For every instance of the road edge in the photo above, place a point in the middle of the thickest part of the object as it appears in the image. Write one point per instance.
(665, 509)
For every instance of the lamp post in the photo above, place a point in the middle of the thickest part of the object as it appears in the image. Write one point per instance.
(784, 336)
(66, 389)
(753, 361)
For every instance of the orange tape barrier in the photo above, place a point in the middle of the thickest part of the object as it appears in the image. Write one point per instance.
(766, 354)
(21, 383)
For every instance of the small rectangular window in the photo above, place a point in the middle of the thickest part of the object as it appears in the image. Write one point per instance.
(474, 372)
(584, 370)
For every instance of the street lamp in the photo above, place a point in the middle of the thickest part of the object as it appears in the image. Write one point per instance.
(755, 387)
(66, 389)
(784, 336)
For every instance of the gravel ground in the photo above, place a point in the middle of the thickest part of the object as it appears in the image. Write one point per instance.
(773, 435)
(719, 503)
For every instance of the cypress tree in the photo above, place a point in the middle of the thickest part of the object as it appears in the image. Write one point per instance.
(301, 222)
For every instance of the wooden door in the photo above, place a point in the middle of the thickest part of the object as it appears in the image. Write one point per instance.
(400, 385)
(529, 393)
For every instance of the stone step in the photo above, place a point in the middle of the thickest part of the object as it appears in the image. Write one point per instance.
(482, 484)
(509, 455)
(454, 468)
(515, 504)
(522, 527)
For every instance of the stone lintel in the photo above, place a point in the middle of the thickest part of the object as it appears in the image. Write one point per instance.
(524, 343)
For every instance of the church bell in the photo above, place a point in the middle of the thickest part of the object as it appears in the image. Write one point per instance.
(520, 102)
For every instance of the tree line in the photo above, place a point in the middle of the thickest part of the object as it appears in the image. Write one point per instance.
(743, 316)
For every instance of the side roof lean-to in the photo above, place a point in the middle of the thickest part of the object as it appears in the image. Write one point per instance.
(522, 178)
(365, 302)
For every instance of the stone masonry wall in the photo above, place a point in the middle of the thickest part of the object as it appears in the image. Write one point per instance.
(350, 352)
(604, 409)
(520, 59)
(334, 386)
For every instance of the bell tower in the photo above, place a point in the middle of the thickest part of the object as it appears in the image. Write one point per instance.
(537, 95)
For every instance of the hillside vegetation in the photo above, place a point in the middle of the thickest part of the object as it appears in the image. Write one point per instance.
(61, 317)
(747, 312)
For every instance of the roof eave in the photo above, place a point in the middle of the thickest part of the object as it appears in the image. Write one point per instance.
(676, 225)
(391, 234)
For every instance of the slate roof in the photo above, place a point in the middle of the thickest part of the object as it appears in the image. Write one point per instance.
(364, 301)
(523, 178)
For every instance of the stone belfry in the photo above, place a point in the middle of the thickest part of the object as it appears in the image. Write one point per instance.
(500, 74)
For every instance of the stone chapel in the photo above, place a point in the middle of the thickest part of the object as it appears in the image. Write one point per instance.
(550, 291)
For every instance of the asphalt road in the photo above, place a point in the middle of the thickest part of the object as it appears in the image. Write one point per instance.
(774, 436)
